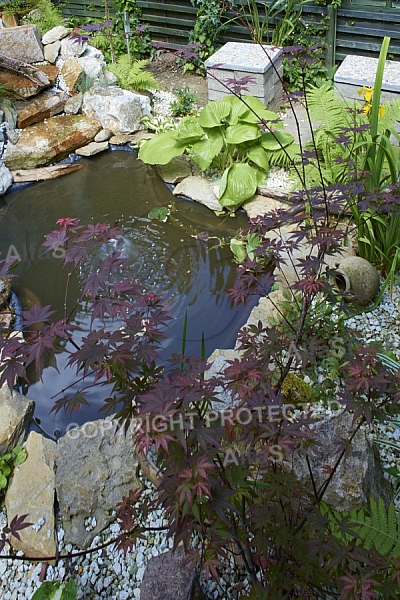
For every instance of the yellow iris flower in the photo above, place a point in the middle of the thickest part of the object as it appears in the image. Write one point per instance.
(368, 93)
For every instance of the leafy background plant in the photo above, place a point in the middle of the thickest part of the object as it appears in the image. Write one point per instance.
(131, 74)
(45, 16)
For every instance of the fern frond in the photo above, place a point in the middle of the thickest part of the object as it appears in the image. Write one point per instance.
(327, 108)
(131, 74)
(283, 157)
(379, 529)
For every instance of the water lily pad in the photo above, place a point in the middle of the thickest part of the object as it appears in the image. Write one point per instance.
(159, 213)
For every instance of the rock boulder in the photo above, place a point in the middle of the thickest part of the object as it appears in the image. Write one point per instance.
(44, 105)
(32, 490)
(360, 474)
(96, 466)
(167, 578)
(16, 413)
(6, 178)
(118, 110)
(21, 43)
(49, 142)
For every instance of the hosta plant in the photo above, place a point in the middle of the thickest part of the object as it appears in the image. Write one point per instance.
(237, 137)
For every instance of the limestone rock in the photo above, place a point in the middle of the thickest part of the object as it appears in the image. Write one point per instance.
(16, 413)
(32, 490)
(176, 170)
(95, 467)
(103, 136)
(117, 110)
(45, 143)
(260, 205)
(55, 35)
(93, 52)
(360, 474)
(266, 309)
(92, 67)
(92, 149)
(6, 178)
(121, 139)
(167, 578)
(40, 107)
(22, 43)
(72, 47)
(51, 51)
(199, 189)
(25, 87)
(72, 73)
(74, 104)
(217, 363)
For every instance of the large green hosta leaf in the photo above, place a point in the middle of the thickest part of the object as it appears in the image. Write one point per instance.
(260, 112)
(189, 131)
(258, 156)
(214, 113)
(238, 110)
(243, 132)
(161, 149)
(203, 152)
(238, 183)
(276, 140)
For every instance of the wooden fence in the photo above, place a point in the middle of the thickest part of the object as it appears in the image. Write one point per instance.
(357, 27)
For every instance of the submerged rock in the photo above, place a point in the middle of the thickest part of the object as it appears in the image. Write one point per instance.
(50, 141)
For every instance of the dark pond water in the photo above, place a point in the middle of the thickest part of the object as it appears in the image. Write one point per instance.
(165, 257)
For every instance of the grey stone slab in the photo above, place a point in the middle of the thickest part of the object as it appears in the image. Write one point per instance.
(361, 70)
(238, 56)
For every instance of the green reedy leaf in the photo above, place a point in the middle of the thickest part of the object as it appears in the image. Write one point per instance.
(376, 98)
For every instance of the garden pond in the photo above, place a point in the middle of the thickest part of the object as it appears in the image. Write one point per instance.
(165, 257)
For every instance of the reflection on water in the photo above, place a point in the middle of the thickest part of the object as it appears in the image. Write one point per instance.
(166, 258)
